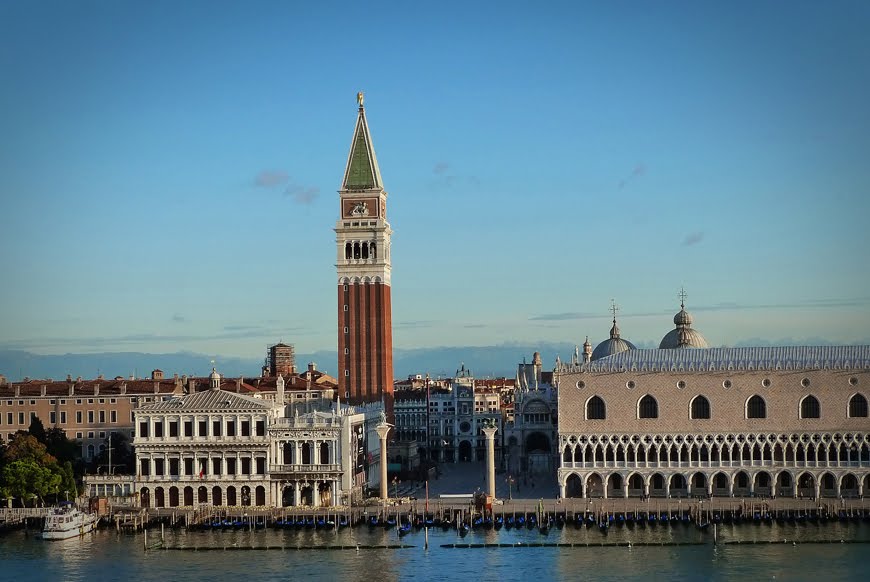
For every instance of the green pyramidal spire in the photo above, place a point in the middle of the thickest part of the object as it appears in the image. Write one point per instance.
(362, 171)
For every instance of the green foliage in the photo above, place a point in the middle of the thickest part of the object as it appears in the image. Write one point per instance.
(37, 429)
(28, 479)
(123, 457)
(60, 447)
(30, 472)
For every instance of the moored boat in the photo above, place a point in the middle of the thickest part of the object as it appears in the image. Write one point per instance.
(66, 521)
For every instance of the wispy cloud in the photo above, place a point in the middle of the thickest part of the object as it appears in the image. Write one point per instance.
(178, 318)
(446, 178)
(853, 302)
(636, 172)
(302, 194)
(414, 324)
(693, 238)
(271, 178)
(229, 333)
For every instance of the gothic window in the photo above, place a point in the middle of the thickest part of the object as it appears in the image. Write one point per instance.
(365, 250)
(595, 409)
(756, 407)
(356, 251)
(347, 250)
(858, 406)
(810, 407)
(648, 407)
(700, 407)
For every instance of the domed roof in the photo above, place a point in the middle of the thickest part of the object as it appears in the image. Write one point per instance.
(682, 317)
(612, 346)
(683, 336)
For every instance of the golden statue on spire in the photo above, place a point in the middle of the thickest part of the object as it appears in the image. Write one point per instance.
(359, 98)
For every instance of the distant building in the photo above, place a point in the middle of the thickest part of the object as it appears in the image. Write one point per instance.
(688, 420)
(280, 361)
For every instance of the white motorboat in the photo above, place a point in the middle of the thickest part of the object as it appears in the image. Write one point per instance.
(66, 521)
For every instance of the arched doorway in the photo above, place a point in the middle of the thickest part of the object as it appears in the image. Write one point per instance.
(159, 500)
(188, 496)
(260, 493)
(573, 486)
(720, 485)
(246, 495)
(762, 483)
(288, 453)
(202, 494)
(678, 486)
(231, 496)
(806, 485)
(614, 486)
(307, 495)
(657, 485)
(784, 484)
(699, 484)
(741, 484)
(594, 486)
(217, 497)
(324, 491)
(145, 498)
(538, 453)
(849, 486)
(465, 451)
(829, 485)
(635, 485)
(287, 496)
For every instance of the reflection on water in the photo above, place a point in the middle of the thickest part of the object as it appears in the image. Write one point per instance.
(108, 555)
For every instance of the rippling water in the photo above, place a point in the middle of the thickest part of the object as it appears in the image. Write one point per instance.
(107, 555)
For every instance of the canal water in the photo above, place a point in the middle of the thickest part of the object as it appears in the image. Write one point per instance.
(834, 551)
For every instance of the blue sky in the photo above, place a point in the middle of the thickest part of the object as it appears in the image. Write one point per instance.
(168, 171)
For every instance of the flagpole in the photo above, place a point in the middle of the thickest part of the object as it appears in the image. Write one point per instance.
(425, 517)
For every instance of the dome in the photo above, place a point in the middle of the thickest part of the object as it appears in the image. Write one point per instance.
(683, 336)
(612, 346)
(683, 317)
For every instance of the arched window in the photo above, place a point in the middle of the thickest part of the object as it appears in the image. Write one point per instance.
(595, 409)
(374, 250)
(648, 407)
(858, 406)
(347, 250)
(810, 407)
(756, 407)
(700, 407)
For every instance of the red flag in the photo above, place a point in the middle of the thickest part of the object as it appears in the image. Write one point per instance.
(201, 473)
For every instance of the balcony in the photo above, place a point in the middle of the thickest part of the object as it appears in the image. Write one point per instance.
(292, 422)
(305, 469)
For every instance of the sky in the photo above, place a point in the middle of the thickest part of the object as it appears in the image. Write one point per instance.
(169, 170)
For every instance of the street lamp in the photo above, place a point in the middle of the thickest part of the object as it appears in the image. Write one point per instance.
(510, 482)
(396, 487)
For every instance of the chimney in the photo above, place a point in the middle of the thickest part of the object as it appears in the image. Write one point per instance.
(238, 385)
(72, 388)
(69, 377)
(97, 389)
(123, 388)
(17, 391)
(156, 387)
(42, 390)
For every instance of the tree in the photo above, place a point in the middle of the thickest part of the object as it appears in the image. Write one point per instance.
(123, 457)
(28, 479)
(60, 447)
(37, 429)
(25, 447)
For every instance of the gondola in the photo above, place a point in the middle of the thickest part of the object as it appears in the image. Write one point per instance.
(499, 522)
(463, 530)
(404, 529)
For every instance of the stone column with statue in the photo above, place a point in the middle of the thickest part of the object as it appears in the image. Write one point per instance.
(383, 430)
(489, 430)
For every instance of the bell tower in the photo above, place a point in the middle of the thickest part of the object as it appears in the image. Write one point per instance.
(362, 236)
